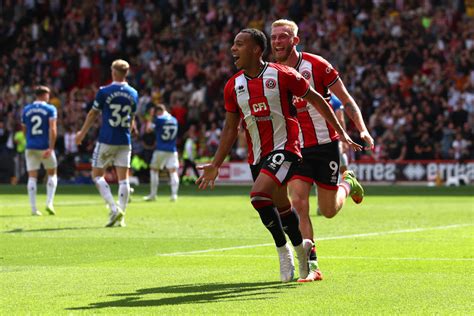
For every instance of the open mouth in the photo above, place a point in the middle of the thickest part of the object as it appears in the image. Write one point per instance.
(236, 58)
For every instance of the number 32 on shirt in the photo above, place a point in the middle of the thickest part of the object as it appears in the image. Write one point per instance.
(120, 115)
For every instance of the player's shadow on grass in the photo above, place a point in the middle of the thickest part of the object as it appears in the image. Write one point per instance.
(194, 294)
(21, 230)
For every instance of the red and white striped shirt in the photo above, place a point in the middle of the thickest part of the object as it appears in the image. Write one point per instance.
(314, 130)
(266, 109)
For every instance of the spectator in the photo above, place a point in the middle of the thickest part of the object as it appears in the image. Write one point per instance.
(398, 60)
(460, 147)
(213, 136)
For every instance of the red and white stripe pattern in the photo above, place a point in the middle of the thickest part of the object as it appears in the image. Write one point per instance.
(264, 103)
(314, 130)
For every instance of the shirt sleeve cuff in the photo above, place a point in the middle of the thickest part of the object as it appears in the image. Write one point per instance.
(307, 90)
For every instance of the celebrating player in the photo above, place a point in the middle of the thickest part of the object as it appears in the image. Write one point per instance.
(319, 140)
(118, 103)
(39, 123)
(260, 96)
(166, 153)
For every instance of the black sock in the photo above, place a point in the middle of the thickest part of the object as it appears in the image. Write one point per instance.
(264, 206)
(291, 222)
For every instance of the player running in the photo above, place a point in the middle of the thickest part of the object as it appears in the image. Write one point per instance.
(166, 154)
(39, 123)
(319, 140)
(118, 103)
(259, 95)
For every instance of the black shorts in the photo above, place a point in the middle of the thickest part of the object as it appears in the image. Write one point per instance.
(279, 165)
(320, 165)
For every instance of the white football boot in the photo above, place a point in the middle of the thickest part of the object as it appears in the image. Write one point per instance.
(287, 265)
(114, 217)
(302, 253)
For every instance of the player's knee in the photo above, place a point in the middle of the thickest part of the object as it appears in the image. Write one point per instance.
(299, 203)
(328, 212)
(260, 200)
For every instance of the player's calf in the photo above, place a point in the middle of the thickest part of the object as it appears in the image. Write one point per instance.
(262, 202)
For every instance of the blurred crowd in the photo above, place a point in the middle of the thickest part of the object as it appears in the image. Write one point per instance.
(408, 64)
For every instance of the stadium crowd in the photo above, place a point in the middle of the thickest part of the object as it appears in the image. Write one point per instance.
(409, 65)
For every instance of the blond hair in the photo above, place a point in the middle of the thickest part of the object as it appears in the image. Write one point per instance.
(121, 67)
(288, 23)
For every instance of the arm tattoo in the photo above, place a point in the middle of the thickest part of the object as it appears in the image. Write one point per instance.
(352, 108)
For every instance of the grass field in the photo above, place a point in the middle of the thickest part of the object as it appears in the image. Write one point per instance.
(405, 250)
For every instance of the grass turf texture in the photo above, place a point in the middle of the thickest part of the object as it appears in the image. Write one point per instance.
(70, 263)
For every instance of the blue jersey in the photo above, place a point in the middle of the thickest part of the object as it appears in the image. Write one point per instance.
(336, 103)
(166, 131)
(36, 118)
(118, 102)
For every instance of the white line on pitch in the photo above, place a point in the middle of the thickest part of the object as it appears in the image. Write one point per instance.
(395, 258)
(401, 231)
(78, 203)
(332, 257)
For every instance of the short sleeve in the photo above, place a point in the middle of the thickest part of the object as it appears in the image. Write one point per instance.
(98, 102)
(53, 113)
(230, 98)
(329, 74)
(155, 122)
(298, 85)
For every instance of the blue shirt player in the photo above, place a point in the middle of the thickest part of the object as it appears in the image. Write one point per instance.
(165, 155)
(338, 108)
(39, 123)
(336, 104)
(117, 102)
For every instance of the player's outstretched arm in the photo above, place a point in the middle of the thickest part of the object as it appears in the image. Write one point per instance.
(353, 111)
(91, 117)
(326, 111)
(227, 140)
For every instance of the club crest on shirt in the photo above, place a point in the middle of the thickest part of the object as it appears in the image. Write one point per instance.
(270, 83)
(306, 74)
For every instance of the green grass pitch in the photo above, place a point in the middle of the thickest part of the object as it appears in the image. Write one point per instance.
(405, 250)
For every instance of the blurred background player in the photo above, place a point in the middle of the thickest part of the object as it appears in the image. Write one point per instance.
(190, 152)
(258, 95)
(118, 103)
(39, 123)
(166, 154)
(339, 111)
(319, 140)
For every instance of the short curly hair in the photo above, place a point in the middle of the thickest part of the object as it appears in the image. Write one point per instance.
(258, 37)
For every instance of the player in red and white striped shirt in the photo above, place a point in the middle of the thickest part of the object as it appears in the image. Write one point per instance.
(319, 141)
(260, 96)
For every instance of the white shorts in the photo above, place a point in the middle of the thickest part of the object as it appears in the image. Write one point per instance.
(162, 159)
(34, 159)
(117, 155)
